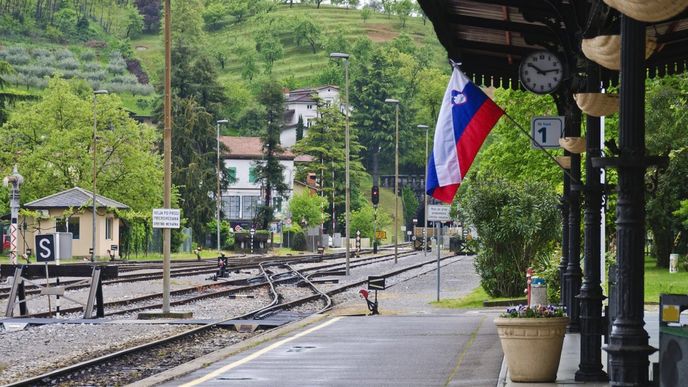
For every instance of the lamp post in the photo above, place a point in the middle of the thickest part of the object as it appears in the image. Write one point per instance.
(95, 125)
(218, 195)
(425, 195)
(347, 205)
(396, 178)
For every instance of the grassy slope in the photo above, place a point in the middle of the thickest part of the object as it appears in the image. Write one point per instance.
(299, 62)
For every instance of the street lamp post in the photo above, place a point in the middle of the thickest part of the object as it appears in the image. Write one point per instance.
(396, 178)
(96, 93)
(345, 58)
(218, 194)
(425, 195)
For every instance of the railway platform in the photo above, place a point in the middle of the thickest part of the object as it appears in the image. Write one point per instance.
(411, 343)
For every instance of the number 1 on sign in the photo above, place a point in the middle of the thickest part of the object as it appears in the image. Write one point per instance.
(543, 132)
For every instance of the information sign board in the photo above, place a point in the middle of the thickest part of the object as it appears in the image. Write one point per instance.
(546, 131)
(166, 218)
(438, 213)
(376, 282)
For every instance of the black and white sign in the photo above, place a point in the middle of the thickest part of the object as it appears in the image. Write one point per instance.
(376, 282)
(45, 247)
(166, 218)
(438, 213)
(546, 131)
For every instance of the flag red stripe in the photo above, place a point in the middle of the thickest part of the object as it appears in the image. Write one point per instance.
(445, 193)
(475, 133)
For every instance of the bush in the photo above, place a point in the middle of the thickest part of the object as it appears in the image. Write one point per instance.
(91, 67)
(518, 224)
(64, 54)
(41, 53)
(299, 241)
(88, 56)
(16, 59)
(68, 64)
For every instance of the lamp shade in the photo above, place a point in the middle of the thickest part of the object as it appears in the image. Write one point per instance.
(605, 50)
(649, 10)
(597, 104)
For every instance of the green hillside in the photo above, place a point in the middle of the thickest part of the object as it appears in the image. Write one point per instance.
(299, 63)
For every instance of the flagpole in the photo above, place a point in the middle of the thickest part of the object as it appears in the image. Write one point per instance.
(541, 147)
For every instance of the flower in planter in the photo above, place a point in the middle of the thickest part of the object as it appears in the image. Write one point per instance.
(535, 311)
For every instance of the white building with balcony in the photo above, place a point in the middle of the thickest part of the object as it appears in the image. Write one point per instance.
(304, 103)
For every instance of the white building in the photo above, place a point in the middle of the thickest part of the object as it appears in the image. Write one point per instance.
(303, 103)
(241, 199)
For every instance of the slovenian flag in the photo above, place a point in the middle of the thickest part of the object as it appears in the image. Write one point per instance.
(466, 117)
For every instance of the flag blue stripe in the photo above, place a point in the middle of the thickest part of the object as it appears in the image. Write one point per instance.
(463, 114)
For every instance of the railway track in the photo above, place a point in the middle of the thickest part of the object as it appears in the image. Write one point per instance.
(116, 368)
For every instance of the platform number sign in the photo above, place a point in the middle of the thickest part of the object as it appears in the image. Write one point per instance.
(45, 248)
(546, 131)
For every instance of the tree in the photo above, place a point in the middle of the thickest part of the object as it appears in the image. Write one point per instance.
(214, 15)
(134, 22)
(666, 122)
(248, 59)
(309, 208)
(518, 223)
(403, 9)
(324, 144)
(52, 142)
(410, 203)
(375, 121)
(150, 9)
(307, 30)
(270, 171)
(299, 129)
(193, 162)
(366, 13)
(365, 221)
(269, 47)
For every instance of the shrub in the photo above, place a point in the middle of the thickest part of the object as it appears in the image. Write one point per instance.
(117, 65)
(16, 59)
(91, 67)
(95, 75)
(68, 64)
(299, 241)
(41, 53)
(88, 56)
(35, 70)
(127, 79)
(518, 224)
(63, 54)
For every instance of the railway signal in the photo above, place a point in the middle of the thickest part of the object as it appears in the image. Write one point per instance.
(375, 195)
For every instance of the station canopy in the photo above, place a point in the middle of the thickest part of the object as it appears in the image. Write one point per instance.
(489, 37)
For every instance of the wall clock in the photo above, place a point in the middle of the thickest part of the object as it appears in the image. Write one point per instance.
(541, 72)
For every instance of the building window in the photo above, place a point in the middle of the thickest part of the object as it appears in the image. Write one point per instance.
(231, 206)
(252, 175)
(249, 206)
(70, 224)
(309, 107)
(232, 174)
(108, 228)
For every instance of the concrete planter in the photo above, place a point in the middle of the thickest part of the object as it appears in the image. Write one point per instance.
(532, 346)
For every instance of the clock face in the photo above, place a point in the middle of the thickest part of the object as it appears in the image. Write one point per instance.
(541, 72)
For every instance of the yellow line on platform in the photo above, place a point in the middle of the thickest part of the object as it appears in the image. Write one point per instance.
(257, 354)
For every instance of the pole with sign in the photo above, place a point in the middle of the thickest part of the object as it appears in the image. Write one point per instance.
(166, 219)
(438, 213)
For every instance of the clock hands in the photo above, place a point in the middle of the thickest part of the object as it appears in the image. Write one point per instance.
(536, 68)
(548, 71)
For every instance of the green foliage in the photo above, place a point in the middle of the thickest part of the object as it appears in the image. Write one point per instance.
(299, 241)
(517, 223)
(308, 207)
(269, 171)
(410, 203)
(51, 140)
(364, 220)
(667, 120)
(548, 268)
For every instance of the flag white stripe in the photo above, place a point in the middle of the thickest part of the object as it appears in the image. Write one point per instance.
(444, 144)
